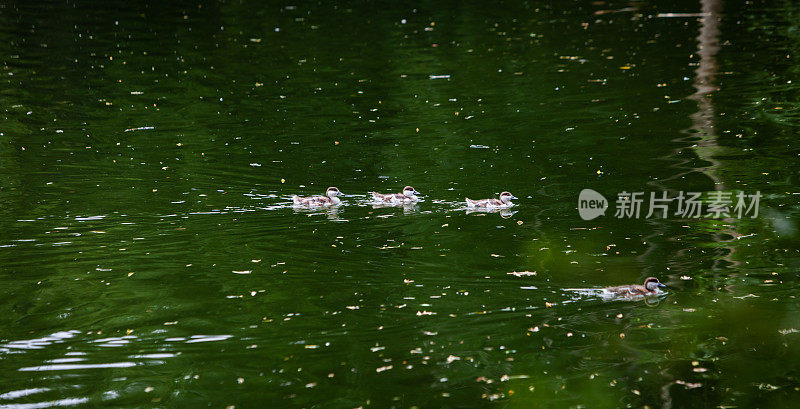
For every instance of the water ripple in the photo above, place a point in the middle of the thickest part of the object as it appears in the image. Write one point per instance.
(69, 367)
(40, 343)
(49, 404)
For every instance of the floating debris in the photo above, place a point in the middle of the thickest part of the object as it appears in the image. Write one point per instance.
(689, 385)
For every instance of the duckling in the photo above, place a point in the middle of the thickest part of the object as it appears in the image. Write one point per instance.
(651, 287)
(489, 204)
(408, 196)
(329, 199)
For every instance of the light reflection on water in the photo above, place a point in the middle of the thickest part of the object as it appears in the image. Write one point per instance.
(151, 255)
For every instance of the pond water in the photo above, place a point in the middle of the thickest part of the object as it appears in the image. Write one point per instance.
(149, 255)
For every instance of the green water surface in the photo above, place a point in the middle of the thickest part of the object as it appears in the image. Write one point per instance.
(150, 257)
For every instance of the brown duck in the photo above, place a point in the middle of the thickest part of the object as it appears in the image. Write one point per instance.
(651, 287)
(330, 199)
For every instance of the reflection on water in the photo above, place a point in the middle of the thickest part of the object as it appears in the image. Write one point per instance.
(504, 213)
(150, 254)
(331, 212)
(703, 125)
(408, 208)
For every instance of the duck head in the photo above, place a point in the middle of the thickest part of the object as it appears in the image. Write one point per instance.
(409, 191)
(506, 197)
(652, 284)
(333, 192)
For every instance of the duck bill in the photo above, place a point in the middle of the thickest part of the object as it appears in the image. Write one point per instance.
(661, 285)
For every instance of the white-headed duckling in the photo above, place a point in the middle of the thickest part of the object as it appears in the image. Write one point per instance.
(651, 287)
(407, 196)
(330, 199)
(504, 202)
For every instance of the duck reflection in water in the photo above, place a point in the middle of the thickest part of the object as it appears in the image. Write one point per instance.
(331, 212)
(504, 213)
(408, 208)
